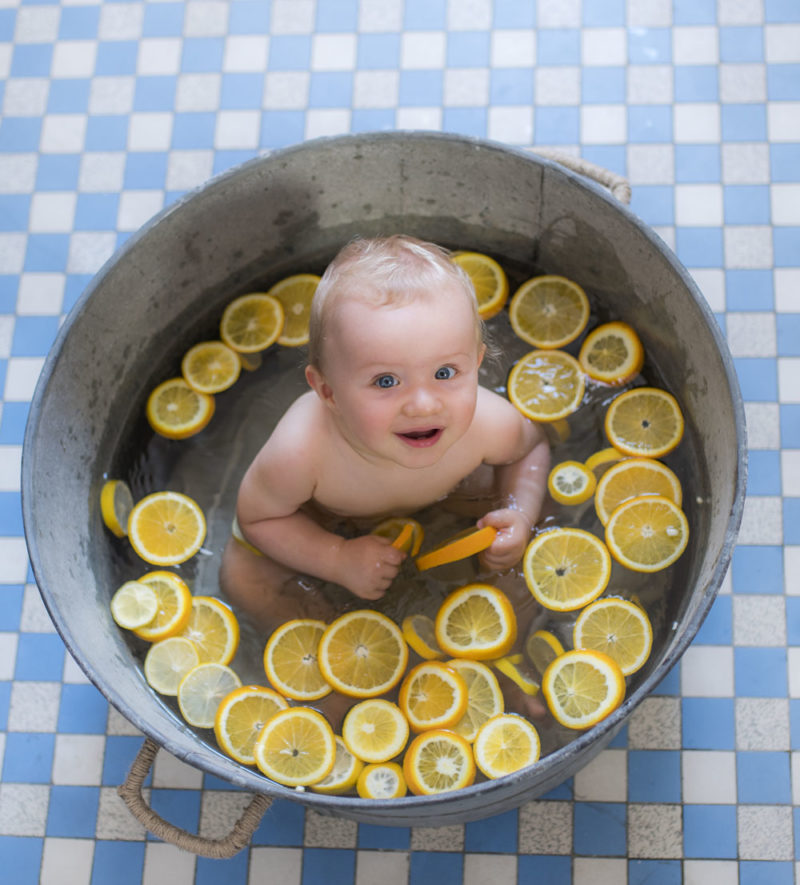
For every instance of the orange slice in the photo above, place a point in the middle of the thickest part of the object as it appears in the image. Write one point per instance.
(296, 747)
(404, 533)
(549, 311)
(647, 534)
(542, 647)
(505, 744)
(518, 672)
(419, 631)
(116, 503)
(631, 478)
(433, 695)
(546, 385)
(291, 662)
(571, 482)
(252, 322)
(375, 730)
(295, 294)
(211, 367)
(344, 774)
(438, 761)
(489, 280)
(177, 411)
(166, 528)
(612, 353)
(582, 687)
(174, 606)
(467, 543)
(240, 717)
(476, 622)
(618, 628)
(644, 421)
(484, 696)
(214, 630)
(600, 461)
(382, 780)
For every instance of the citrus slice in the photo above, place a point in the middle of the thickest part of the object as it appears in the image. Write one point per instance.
(582, 687)
(514, 667)
(549, 311)
(362, 654)
(296, 747)
(618, 628)
(213, 628)
(542, 647)
(177, 411)
(381, 781)
(644, 421)
(202, 690)
(505, 744)
(489, 280)
(211, 367)
(251, 322)
(600, 461)
(631, 478)
(647, 534)
(375, 730)
(134, 605)
(116, 503)
(484, 697)
(240, 717)
(167, 662)
(433, 695)
(476, 622)
(612, 353)
(459, 546)
(546, 385)
(438, 761)
(566, 568)
(166, 528)
(571, 482)
(174, 606)
(290, 660)
(295, 294)
(344, 774)
(404, 533)
(250, 361)
(419, 631)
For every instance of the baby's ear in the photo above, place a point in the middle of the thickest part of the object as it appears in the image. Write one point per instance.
(319, 385)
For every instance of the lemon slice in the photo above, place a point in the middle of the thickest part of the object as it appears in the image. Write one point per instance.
(476, 622)
(419, 632)
(296, 747)
(362, 654)
(459, 546)
(251, 322)
(438, 761)
(250, 361)
(571, 482)
(549, 311)
(166, 528)
(177, 411)
(167, 662)
(542, 647)
(202, 690)
(433, 695)
(514, 667)
(375, 730)
(382, 781)
(600, 461)
(211, 367)
(484, 697)
(213, 628)
(240, 717)
(290, 660)
(116, 503)
(631, 478)
(582, 687)
(647, 534)
(295, 294)
(174, 606)
(618, 628)
(404, 533)
(644, 421)
(612, 353)
(344, 774)
(134, 605)
(489, 280)
(505, 744)
(566, 568)
(546, 385)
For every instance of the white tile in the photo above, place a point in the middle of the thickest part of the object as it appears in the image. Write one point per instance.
(513, 49)
(745, 163)
(603, 124)
(137, 207)
(782, 43)
(10, 466)
(321, 122)
(13, 560)
(422, 49)
(5, 60)
(8, 655)
(23, 809)
(25, 97)
(649, 13)
(789, 379)
(763, 425)
(786, 282)
(72, 673)
(36, 25)
(282, 865)
(599, 871)
(386, 867)
(446, 838)
(159, 56)
(469, 15)
(649, 84)
(88, 252)
(21, 377)
(198, 92)
(245, 53)
(558, 14)
(557, 86)
(762, 520)
(111, 95)
(120, 21)
(52, 212)
(375, 18)
(379, 89)
(604, 779)
(696, 123)
(2, 748)
(514, 125)
(765, 832)
(17, 173)
(237, 130)
(499, 869)
(149, 131)
(783, 121)
(463, 87)
(695, 45)
(790, 472)
(707, 671)
(188, 169)
(12, 252)
(711, 282)
(292, 16)
(114, 819)
(171, 772)
(710, 872)
(762, 724)
(73, 58)
(34, 706)
(78, 759)
(63, 133)
(791, 570)
(286, 90)
(167, 865)
(785, 199)
(709, 777)
(419, 118)
(208, 18)
(793, 669)
(102, 172)
(698, 205)
(748, 246)
(751, 334)
(333, 52)
(34, 617)
(795, 757)
(7, 323)
(740, 83)
(604, 47)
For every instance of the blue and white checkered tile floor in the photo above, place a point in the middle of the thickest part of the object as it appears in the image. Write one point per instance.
(111, 110)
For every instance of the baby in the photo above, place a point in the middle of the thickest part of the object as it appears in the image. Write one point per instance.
(394, 421)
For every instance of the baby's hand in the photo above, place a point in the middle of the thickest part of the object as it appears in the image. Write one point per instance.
(368, 565)
(513, 534)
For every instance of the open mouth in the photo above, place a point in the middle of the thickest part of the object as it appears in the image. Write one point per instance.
(421, 438)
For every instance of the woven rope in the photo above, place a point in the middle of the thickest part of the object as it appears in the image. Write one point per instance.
(219, 849)
(618, 185)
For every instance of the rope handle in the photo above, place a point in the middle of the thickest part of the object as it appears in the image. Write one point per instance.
(617, 184)
(219, 849)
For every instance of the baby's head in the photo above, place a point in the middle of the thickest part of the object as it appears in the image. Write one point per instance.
(386, 272)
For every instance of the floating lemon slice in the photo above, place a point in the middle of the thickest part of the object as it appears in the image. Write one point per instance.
(647, 534)
(514, 667)
(174, 606)
(618, 628)
(344, 774)
(213, 628)
(631, 478)
(177, 411)
(476, 622)
(571, 482)
(252, 322)
(295, 294)
(467, 543)
(419, 631)
(543, 647)
(433, 695)
(489, 280)
(296, 747)
(240, 717)
(546, 385)
(566, 568)
(438, 761)
(167, 662)
(602, 460)
(382, 781)
(612, 353)
(134, 605)
(549, 311)
(166, 528)
(484, 697)
(211, 367)
(404, 533)
(644, 421)
(505, 744)
(375, 730)
(291, 663)
(202, 690)
(116, 503)
(582, 687)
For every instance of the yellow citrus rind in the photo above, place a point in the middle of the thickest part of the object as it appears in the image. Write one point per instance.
(612, 353)
(647, 534)
(618, 628)
(467, 543)
(549, 311)
(489, 280)
(240, 717)
(296, 747)
(505, 744)
(645, 421)
(571, 483)
(433, 695)
(375, 730)
(438, 761)
(177, 411)
(546, 385)
(477, 622)
(582, 687)
(291, 660)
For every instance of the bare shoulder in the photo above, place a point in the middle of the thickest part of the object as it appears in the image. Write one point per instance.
(506, 434)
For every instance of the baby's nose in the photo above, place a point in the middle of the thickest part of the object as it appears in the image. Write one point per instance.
(421, 401)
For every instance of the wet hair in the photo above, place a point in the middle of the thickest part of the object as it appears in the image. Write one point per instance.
(384, 272)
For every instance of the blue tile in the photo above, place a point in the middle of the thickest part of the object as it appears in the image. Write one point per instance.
(375, 51)
(697, 163)
(465, 121)
(763, 778)
(47, 252)
(786, 246)
(654, 776)
(791, 520)
(467, 49)
(40, 657)
(116, 58)
(783, 82)
(31, 59)
(790, 425)
(694, 12)
(28, 758)
(96, 211)
(33, 336)
(119, 754)
(563, 790)
(741, 43)
(602, 85)
(557, 46)
(600, 828)
(5, 700)
(696, 83)
(511, 86)
(119, 862)
(106, 133)
(9, 283)
(58, 172)
(163, 20)
(554, 870)
(330, 89)
(232, 871)
(193, 131)
(8, 18)
(746, 204)
(757, 569)
(145, 170)
(762, 872)
(764, 473)
(717, 628)
(333, 866)
(337, 15)
(497, 834)
(179, 807)
(425, 14)
(788, 332)
(749, 290)
(707, 724)
(709, 831)
(650, 123)
(241, 92)
(699, 246)
(784, 162)
(202, 55)
(72, 812)
(68, 96)
(758, 378)
(248, 17)
(21, 859)
(19, 134)
(604, 14)
(671, 683)
(420, 88)
(78, 22)
(83, 710)
(744, 122)
(610, 156)
(654, 203)
(515, 14)
(438, 866)
(155, 93)
(376, 119)
(226, 159)
(760, 672)
(620, 739)
(377, 838)
(649, 46)
(654, 872)
(290, 52)
(10, 596)
(781, 11)
(283, 824)
(554, 125)
(15, 211)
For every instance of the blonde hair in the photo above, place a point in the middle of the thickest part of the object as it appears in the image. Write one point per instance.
(384, 271)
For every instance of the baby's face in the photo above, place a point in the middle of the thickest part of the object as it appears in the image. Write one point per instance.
(404, 379)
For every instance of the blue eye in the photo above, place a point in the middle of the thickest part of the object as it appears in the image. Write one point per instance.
(385, 381)
(445, 373)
